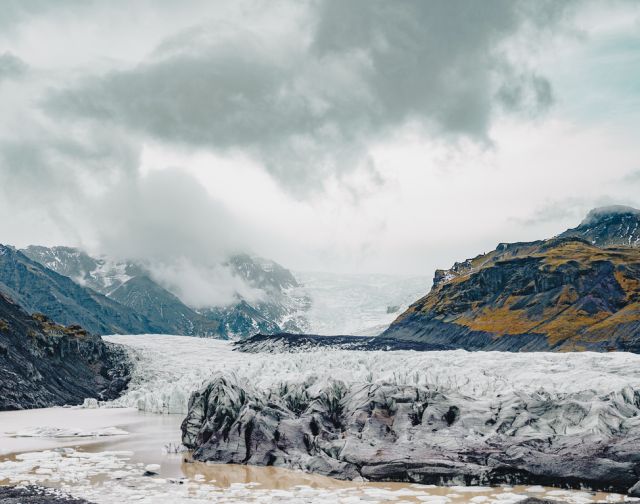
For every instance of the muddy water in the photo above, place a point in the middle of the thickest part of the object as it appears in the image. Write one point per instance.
(102, 455)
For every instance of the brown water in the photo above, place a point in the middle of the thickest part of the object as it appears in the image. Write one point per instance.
(109, 469)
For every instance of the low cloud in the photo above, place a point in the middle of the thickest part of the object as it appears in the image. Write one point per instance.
(201, 286)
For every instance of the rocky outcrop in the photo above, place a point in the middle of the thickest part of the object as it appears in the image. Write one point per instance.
(45, 364)
(558, 294)
(415, 433)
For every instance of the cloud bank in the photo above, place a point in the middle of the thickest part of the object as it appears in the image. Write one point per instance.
(307, 102)
(326, 134)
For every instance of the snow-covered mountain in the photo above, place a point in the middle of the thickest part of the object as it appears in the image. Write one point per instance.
(609, 226)
(98, 273)
(315, 303)
(280, 307)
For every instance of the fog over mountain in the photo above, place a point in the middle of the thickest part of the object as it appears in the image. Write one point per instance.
(327, 136)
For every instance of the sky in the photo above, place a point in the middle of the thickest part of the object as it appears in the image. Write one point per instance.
(358, 136)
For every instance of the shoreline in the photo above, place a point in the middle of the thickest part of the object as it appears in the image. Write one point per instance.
(111, 468)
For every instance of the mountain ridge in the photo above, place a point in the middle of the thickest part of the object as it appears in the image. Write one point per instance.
(609, 226)
(577, 291)
(132, 285)
(39, 289)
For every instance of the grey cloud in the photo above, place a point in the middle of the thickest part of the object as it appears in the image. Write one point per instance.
(15, 12)
(167, 220)
(162, 216)
(93, 187)
(529, 93)
(88, 189)
(11, 66)
(556, 211)
(632, 177)
(307, 109)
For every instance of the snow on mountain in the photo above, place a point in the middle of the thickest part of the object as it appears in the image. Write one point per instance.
(279, 307)
(318, 303)
(362, 305)
(609, 226)
(101, 274)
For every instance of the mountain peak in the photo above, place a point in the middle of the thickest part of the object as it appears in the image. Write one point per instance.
(609, 212)
(608, 226)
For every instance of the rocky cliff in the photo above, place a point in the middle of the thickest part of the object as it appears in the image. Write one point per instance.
(45, 364)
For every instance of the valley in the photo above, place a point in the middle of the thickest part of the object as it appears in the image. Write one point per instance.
(101, 454)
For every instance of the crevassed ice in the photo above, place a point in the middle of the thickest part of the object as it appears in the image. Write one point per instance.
(169, 368)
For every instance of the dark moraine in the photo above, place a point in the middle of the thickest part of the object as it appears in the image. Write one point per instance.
(45, 364)
(287, 342)
(36, 495)
(387, 432)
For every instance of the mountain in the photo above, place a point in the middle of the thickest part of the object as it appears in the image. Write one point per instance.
(609, 226)
(40, 289)
(44, 364)
(163, 308)
(280, 308)
(283, 306)
(100, 274)
(127, 283)
(561, 294)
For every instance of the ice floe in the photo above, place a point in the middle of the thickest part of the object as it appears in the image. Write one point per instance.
(58, 432)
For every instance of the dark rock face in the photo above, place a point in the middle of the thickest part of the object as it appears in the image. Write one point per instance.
(558, 294)
(609, 226)
(39, 289)
(44, 364)
(416, 434)
(35, 495)
(286, 342)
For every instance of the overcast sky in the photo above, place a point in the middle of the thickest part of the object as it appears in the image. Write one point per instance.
(349, 136)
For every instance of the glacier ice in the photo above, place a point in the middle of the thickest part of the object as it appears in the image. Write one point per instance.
(168, 368)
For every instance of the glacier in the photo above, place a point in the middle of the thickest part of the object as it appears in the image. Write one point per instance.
(362, 305)
(477, 417)
(167, 369)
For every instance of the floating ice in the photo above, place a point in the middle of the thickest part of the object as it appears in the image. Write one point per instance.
(58, 432)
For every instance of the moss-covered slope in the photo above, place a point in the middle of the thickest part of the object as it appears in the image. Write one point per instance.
(559, 294)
